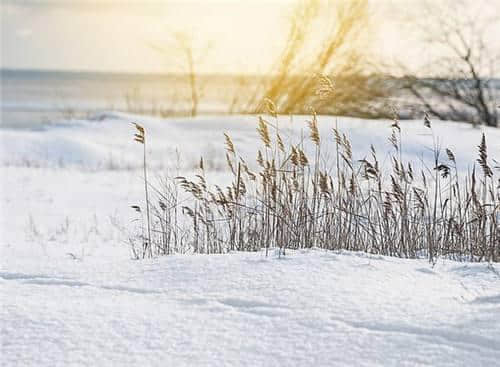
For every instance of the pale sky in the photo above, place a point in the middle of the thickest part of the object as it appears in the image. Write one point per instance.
(117, 35)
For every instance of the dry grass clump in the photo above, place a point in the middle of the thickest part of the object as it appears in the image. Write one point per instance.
(293, 200)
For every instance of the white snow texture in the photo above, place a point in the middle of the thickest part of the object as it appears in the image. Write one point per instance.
(71, 296)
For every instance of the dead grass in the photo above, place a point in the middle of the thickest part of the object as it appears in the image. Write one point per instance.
(293, 200)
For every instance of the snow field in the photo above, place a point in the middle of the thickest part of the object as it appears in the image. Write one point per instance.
(71, 295)
(246, 310)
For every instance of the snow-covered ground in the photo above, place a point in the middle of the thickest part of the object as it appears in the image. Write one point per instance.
(105, 142)
(71, 295)
(311, 308)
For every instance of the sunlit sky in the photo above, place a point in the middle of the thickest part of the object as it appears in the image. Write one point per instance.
(119, 35)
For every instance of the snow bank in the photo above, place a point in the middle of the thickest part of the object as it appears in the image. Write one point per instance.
(105, 142)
